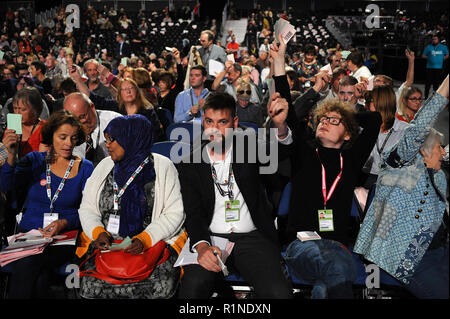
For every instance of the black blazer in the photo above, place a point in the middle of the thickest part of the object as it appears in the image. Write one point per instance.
(126, 50)
(197, 189)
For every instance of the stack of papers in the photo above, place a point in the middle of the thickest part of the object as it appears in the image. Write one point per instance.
(187, 257)
(32, 243)
(284, 28)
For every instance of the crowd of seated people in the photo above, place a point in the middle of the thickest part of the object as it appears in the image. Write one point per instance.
(93, 101)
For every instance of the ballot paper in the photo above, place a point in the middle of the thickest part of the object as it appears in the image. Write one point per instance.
(328, 69)
(370, 85)
(215, 67)
(285, 29)
(187, 257)
(119, 246)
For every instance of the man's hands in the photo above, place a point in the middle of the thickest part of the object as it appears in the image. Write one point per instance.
(206, 257)
(321, 81)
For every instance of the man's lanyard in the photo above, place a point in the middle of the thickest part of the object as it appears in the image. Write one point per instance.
(89, 140)
(117, 193)
(228, 183)
(326, 196)
(61, 185)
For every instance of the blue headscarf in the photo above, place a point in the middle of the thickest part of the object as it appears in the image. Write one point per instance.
(134, 135)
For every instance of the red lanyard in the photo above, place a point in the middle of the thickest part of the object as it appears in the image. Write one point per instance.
(326, 196)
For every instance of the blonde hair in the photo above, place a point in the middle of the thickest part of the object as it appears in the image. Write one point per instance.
(141, 102)
(403, 101)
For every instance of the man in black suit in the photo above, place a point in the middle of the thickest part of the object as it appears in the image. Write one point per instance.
(123, 49)
(209, 189)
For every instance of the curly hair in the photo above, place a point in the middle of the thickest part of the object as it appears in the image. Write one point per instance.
(345, 111)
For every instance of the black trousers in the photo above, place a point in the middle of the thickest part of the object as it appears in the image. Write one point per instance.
(433, 78)
(257, 260)
(31, 275)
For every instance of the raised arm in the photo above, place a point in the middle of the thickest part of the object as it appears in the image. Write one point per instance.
(420, 126)
(410, 73)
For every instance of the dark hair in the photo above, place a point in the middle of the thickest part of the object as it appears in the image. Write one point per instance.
(68, 85)
(21, 66)
(356, 57)
(237, 67)
(167, 77)
(310, 49)
(348, 80)
(220, 101)
(55, 121)
(39, 65)
(201, 68)
(156, 63)
(292, 75)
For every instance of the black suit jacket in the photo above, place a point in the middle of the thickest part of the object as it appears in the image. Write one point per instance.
(197, 189)
(126, 50)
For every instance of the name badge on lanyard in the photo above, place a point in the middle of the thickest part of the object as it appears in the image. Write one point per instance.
(114, 219)
(232, 207)
(325, 215)
(232, 211)
(51, 216)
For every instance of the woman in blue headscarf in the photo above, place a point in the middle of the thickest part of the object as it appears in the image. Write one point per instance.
(133, 195)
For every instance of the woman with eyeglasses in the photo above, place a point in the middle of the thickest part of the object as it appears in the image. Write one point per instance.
(382, 99)
(325, 171)
(409, 103)
(245, 110)
(130, 99)
(136, 194)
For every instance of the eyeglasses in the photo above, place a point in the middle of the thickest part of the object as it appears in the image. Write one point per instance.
(248, 92)
(330, 119)
(109, 139)
(346, 93)
(415, 99)
(130, 89)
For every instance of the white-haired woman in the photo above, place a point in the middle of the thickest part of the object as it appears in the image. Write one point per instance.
(405, 231)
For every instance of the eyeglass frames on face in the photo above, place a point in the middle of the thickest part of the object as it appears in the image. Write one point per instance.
(331, 119)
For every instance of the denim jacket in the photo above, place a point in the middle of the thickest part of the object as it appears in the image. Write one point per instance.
(409, 202)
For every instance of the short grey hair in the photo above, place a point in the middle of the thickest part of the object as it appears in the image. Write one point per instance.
(433, 137)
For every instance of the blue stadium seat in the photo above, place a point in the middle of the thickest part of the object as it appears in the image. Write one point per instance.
(164, 148)
(183, 131)
(249, 124)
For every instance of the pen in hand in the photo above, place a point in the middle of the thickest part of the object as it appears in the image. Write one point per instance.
(222, 265)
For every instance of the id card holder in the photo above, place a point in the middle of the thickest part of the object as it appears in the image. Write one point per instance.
(232, 211)
(49, 218)
(113, 224)
(325, 219)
